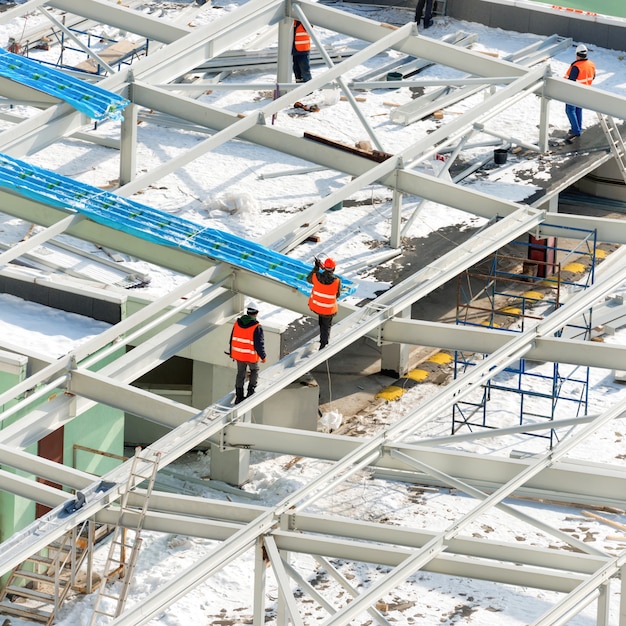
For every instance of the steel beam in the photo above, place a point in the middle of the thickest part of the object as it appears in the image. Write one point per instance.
(482, 340)
(125, 19)
(590, 484)
(593, 98)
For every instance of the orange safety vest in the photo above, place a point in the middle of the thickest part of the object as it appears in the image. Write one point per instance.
(586, 71)
(323, 299)
(242, 344)
(302, 39)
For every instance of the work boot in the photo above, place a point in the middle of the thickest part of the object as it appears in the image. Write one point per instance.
(250, 391)
(238, 395)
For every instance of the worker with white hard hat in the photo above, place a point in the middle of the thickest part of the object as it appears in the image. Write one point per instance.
(247, 348)
(581, 70)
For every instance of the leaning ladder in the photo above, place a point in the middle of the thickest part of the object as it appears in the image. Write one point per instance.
(616, 142)
(124, 550)
(440, 7)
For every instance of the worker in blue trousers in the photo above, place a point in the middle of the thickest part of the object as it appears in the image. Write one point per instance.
(583, 71)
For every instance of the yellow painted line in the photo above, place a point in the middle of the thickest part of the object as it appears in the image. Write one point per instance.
(441, 358)
(391, 393)
(552, 283)
(577, 268)
(417, 375)
(534, 295)
(490, 324)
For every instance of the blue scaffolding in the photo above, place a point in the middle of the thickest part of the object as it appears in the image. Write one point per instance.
(506, 292)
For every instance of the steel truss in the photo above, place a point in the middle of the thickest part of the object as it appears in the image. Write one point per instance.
(396, 453)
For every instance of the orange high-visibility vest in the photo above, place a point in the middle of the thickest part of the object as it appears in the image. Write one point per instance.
(242, 344)
(302, 39)
(586, 71)
(323, 299)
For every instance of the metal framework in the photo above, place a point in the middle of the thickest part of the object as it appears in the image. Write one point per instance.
(396, 453)
(495, 299)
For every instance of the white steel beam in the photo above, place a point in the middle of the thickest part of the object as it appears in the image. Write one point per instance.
(591, 484)
(438, 544)
(239, 125)
(420, 46)
(125, 19)
(483, 340)
(584, 96)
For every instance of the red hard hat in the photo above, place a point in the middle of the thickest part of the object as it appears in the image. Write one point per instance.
(329, 264)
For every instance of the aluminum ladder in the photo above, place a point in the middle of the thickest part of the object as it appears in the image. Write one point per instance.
(126, 540)
(616, 141)
(36, 589)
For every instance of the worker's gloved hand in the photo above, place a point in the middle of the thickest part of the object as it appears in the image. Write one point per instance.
(318, 263)
(263, 360)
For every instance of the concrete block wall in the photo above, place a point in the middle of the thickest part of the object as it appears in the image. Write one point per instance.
(95, 303)
(524, 16)
(542, 19)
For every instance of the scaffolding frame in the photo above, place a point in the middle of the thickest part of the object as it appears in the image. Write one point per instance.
(498, 303)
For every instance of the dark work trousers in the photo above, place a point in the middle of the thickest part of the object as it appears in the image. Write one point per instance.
(242, 368)
(301, 67)
(419, 9)
(325, 321)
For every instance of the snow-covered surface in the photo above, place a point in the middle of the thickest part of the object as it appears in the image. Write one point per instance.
(203, 191)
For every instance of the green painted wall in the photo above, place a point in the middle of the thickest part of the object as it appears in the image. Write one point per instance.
(100, 428)
(614, 8)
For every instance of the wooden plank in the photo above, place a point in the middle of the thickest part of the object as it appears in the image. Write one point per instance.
(604, 520)
(374, 155)
(111, 55)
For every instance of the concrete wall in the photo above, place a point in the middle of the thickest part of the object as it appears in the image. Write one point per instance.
(523, 16)
(531, 17)
(96, 304)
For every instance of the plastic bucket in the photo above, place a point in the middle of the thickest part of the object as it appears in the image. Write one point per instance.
(394, 76)
(499, 156)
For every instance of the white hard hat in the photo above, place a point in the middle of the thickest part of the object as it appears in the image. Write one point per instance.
(581, 50)
(252, 308)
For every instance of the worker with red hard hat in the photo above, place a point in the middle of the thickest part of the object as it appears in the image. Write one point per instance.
(324, 295)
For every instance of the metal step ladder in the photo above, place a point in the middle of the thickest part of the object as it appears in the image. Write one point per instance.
(616, 142)
(126, 540)
(37, 587)
(440, 7)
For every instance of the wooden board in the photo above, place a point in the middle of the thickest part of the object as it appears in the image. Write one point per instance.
(111, 55)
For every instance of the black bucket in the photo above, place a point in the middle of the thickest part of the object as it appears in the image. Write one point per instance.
(394, 76)
(499, 156)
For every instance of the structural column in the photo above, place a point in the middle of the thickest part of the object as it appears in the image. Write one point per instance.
(283, 71)
(395, 356)
(128, 145)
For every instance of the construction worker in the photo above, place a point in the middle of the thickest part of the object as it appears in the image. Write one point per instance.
(428, 14)
(583, 71)
(247, 347)
(300, 53)
(324, 294)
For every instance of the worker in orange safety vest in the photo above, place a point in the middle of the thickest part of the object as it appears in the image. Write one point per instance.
(300, 53)
(582, 70)
(324, 294)
(247, 348)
